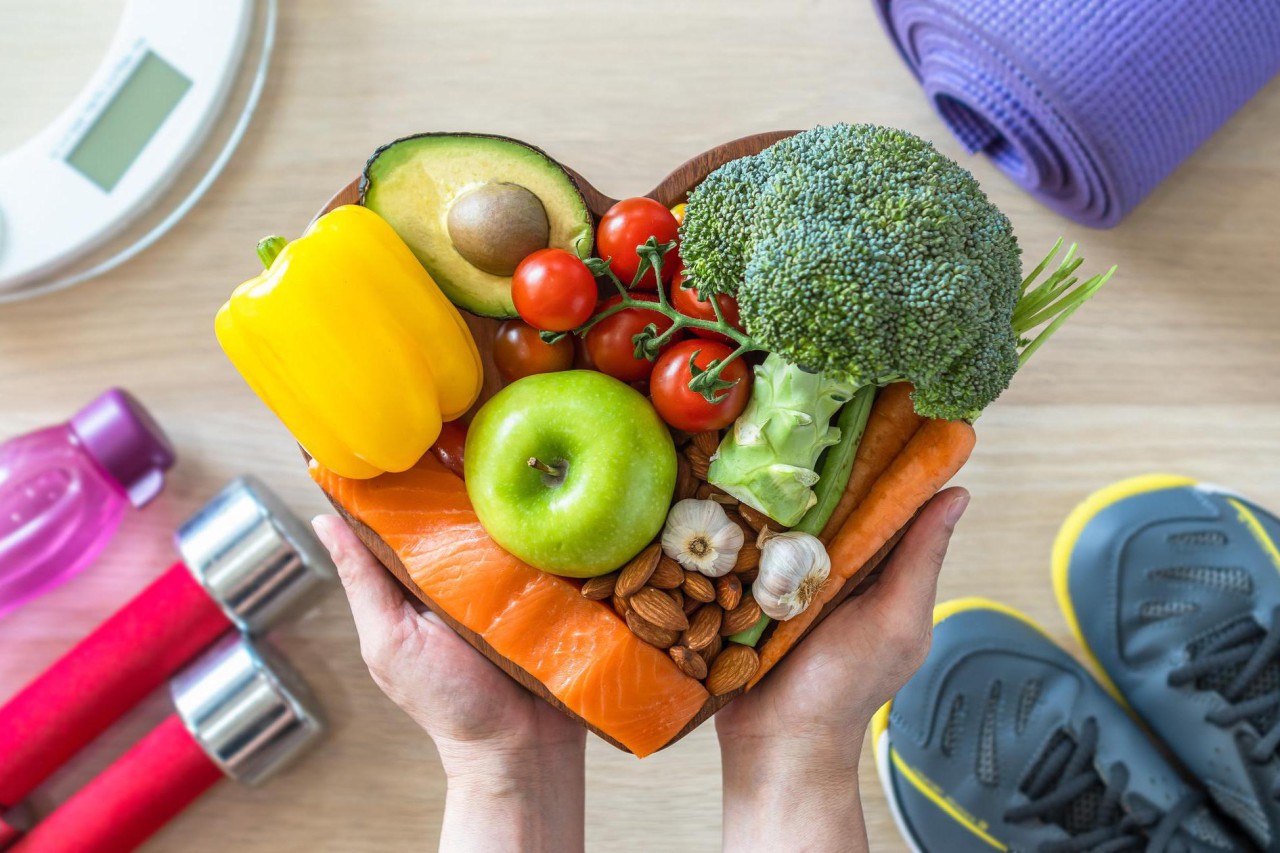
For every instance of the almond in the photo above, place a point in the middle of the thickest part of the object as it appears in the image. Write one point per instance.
(709, 653)
(655, 606)
(755, 518)
(620, 605)
(690, 604)
(678, 597)
(704, 628)
(699, 461)
(637, 573)
(732, 668)
(689, 661)
(699, 586)
(668, 574)
(686, 483)
(749, 576)
(740, 618)
(729, 591)
(708, 492)
(707, 441)
(650, 633)
(598, 589)
(748, 557)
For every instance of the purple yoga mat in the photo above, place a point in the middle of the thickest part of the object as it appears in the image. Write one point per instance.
(1087, 104)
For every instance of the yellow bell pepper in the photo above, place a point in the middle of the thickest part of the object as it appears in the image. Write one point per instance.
(353, 346)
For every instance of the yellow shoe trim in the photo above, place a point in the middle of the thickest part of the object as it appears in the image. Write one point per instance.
(935, 795)
(1249, 520)
(947, 609)
(1069, 535)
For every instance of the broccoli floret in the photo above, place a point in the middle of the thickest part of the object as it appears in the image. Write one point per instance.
(860, 256)
(862, 251)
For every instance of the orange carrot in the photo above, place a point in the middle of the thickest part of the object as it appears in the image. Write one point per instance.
(892, 423)
(931, 458)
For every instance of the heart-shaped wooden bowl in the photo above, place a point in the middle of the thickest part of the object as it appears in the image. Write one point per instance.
(672, 190)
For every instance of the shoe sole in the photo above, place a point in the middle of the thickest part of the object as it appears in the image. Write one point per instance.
(887, 760)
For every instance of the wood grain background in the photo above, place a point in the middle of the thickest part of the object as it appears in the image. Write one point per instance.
(1176, 367)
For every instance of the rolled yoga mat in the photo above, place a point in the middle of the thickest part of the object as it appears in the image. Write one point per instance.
(1087, 104)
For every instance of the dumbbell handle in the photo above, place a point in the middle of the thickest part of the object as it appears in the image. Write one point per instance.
(132, 799)
(109, 672)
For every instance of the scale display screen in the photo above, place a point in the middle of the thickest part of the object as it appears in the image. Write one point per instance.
(136, 111)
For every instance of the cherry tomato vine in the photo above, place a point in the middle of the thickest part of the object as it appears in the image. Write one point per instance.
(649, 342)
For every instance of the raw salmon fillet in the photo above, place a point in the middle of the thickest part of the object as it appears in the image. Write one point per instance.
(579, 649)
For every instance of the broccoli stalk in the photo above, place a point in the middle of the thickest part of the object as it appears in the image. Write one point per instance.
(767, 460)
(837, 462)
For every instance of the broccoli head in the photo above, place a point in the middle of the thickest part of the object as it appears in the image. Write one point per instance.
(862, 252)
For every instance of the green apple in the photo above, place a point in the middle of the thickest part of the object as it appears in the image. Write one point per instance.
(572, 472)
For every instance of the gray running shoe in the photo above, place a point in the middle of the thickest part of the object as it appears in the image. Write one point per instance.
(1174, 589)
(1003, 741)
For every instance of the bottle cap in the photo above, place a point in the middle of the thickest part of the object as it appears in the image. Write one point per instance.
(127, 442)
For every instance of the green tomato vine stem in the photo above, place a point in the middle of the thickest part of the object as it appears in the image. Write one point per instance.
(649, 342)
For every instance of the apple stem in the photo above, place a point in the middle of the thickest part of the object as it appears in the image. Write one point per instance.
(538, 464)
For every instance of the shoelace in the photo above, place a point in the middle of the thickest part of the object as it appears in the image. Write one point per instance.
(1251, 648)
(1066, 774)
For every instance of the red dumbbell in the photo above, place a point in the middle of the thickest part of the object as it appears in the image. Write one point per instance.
(241, 713)
(247, 563)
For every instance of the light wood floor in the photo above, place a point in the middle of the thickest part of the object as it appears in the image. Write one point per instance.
(1176, 366)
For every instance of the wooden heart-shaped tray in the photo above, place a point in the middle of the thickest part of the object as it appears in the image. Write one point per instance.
(672, 190)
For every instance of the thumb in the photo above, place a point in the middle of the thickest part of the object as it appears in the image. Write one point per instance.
(376, 600)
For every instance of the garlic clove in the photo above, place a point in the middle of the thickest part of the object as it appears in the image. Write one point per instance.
(794, 567)
(700, 536)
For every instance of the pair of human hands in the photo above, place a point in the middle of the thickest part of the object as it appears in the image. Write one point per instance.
(790, 746)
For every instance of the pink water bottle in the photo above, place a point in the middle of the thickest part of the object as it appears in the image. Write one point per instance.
(65, 489)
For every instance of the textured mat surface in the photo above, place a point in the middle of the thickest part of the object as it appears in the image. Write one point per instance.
(1088, 104)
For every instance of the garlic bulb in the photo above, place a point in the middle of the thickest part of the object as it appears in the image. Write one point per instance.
(699, 536)
(793, 568)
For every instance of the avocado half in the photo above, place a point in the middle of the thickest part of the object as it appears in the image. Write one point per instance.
(471, 207)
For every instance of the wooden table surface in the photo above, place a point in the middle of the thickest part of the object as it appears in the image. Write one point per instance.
(1173, 368)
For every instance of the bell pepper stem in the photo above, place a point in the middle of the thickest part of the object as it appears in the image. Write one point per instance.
(269, 247)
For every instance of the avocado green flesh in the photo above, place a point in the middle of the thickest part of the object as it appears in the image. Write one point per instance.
(413, 183)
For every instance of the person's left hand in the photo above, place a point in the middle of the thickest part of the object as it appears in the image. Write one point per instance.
(466, 704)
(791, 745)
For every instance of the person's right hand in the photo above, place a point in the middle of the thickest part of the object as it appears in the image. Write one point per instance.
(791, 745)
(514, 763)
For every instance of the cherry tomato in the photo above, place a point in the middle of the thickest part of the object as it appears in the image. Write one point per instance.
(519, 352)
(553, 290)
(686, 409)
(448, 447)
(609, 344)
(629, 224)
(686, 301)
(678, 213)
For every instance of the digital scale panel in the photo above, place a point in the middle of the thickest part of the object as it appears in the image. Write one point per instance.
(137, 147)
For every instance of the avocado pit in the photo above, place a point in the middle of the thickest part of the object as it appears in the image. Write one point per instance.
(497, 225)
